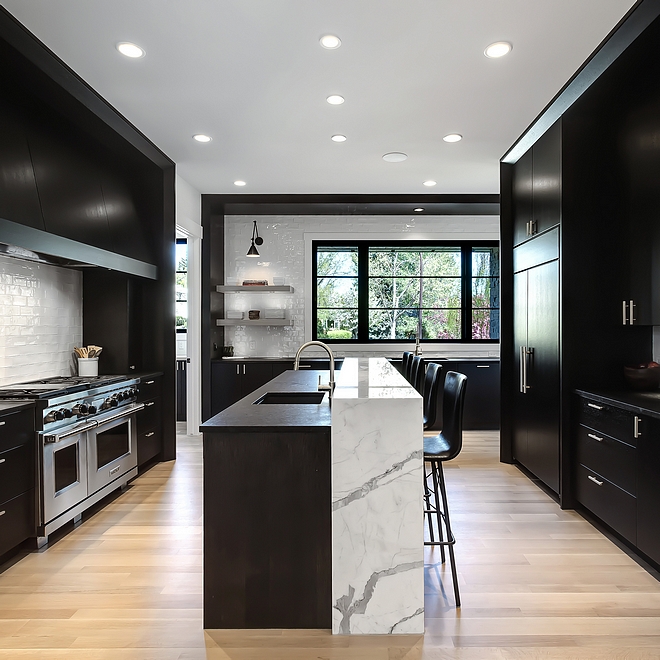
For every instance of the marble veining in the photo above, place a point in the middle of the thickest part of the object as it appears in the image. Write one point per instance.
(377, 462)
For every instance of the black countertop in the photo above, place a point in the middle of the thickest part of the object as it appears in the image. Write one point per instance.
(244, 416)
(320, 358)
(644, 403)
(11, 405)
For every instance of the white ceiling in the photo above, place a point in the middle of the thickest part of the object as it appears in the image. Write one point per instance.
(251, 74)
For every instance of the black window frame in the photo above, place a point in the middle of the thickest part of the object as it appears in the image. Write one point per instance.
(466, 248)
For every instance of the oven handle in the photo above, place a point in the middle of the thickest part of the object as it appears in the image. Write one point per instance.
(124, 412)
(51, 439)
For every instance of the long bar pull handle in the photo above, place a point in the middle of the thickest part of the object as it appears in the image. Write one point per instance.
(595, 437)
(636, 431)
(593, 405)
(598, 483)
(632, 312)
(522, 369)
(528, 351)
(625, 313)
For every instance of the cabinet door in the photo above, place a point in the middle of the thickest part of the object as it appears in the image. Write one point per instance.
(181, 389)
(225, 385)
(254, 375)
(547, 179)
(522, 197)
(482, 399)
(543, 373)
(648, 489)
(520, 399)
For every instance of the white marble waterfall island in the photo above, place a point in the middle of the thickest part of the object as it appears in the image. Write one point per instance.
(313, 513)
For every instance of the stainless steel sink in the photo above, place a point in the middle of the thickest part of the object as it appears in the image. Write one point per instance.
(291, 397)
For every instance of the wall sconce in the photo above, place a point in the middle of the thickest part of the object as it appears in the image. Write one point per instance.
(253, 252)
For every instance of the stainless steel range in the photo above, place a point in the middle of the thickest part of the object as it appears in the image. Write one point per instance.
(86, 430)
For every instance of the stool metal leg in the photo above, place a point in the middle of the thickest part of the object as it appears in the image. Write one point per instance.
(428, 511)
(450, 536)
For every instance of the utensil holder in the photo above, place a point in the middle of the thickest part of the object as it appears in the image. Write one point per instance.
(88, 366)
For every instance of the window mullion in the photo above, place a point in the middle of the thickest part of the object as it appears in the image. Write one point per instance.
(363, 293)
(466, 292)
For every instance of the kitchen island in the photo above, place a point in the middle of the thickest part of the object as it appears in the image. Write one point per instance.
(312, 512)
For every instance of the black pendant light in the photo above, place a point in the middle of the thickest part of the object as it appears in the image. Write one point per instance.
(253, 252)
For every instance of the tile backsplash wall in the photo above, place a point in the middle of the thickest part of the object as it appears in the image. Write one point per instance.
(283, 254)
(41, 320)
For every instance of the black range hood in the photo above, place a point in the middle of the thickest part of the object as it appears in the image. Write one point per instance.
(23, 242)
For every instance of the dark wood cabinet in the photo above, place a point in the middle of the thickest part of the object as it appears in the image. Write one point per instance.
(17, 478)
(181, 389)
(536, 185)
(231, 381)
(537, 391)
(648, 489)
(149, 425)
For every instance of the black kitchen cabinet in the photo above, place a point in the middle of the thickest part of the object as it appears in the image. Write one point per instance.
(19, 200)
(537, 393)
(149, 430)
(17, 478)
(231, 381)
(648, 489)
(536, 185)
(181, 389)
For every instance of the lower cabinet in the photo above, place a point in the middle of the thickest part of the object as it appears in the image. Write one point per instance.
(149, 436)
(17, 478)
(181, 389)
(617, 463)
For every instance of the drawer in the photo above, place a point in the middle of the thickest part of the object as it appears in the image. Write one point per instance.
(17, 428)
(16, 471)
(149, 388)
(148, 445)
(610, 420)
(612, 505)
(612, 459)
(17, 521)
(149, 417)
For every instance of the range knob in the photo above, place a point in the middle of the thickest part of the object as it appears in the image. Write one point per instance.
(66, 412)
(132, 392)
(91, 410)
(54, 416)
(110, 403)
(81, 409)
(122, 396)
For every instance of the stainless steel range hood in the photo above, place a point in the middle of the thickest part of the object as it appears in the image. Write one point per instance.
(22, 242)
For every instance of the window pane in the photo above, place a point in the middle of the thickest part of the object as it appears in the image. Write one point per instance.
(441, 324)
(441, 292)
(392, 323)
(336, 292)
(443, 261)
(393, 262)
(393, 292)
(485, 292)
(336, 261)
(336, 324)
(485, 262)
(486, 324)
(181, 314)
(181, 256)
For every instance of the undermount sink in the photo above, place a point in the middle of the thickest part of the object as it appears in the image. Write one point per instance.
(291, 397)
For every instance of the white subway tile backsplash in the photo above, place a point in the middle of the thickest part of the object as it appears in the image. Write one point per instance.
(41, 320)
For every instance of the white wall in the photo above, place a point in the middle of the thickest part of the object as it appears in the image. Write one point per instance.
(41, 320)
(286, 252)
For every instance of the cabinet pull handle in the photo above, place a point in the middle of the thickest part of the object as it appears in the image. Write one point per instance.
(593, 405)
(2, 513)
(2, 460)
(598, 483)
(632, 312)
(151, 403)
(304, 366)
(150, 382)
(625, 313)
(483, 366)
(2, 423)
(244, 370)
(636, 431)
(522, 370)
(148, 435)
(238, 369)
(595, 437)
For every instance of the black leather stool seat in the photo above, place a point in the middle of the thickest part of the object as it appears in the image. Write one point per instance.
(437, 447)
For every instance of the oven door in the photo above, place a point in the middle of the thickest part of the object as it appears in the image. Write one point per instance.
(111, 450)
(64, 478)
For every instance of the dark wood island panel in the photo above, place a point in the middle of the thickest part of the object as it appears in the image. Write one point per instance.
(267, 529)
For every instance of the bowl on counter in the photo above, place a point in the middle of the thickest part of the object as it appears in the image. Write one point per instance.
(642, 378)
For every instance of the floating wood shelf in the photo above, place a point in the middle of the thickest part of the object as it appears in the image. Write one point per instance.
(257, 322)
(226, 288)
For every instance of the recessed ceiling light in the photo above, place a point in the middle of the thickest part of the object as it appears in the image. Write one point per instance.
(129, 49)
(395, 157)
(418, 210)
(498, 49)
(338, 138)
(429, 183)
(335, 99)
(201, 137)
(330, 41)
(239, 183)
(453, 137)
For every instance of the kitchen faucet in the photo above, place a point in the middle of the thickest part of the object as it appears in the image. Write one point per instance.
(331, 383)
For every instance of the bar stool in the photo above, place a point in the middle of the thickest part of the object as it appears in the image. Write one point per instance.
(438, 449)
(407, 363)
(417, 372)
(430, 393)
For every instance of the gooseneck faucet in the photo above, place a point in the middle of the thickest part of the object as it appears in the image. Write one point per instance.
(296, 364)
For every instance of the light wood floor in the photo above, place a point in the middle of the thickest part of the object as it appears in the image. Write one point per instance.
(536, 582)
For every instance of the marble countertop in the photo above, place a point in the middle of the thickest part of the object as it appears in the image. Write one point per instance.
(371, 378)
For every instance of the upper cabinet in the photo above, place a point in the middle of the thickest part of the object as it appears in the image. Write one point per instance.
(536, 187)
